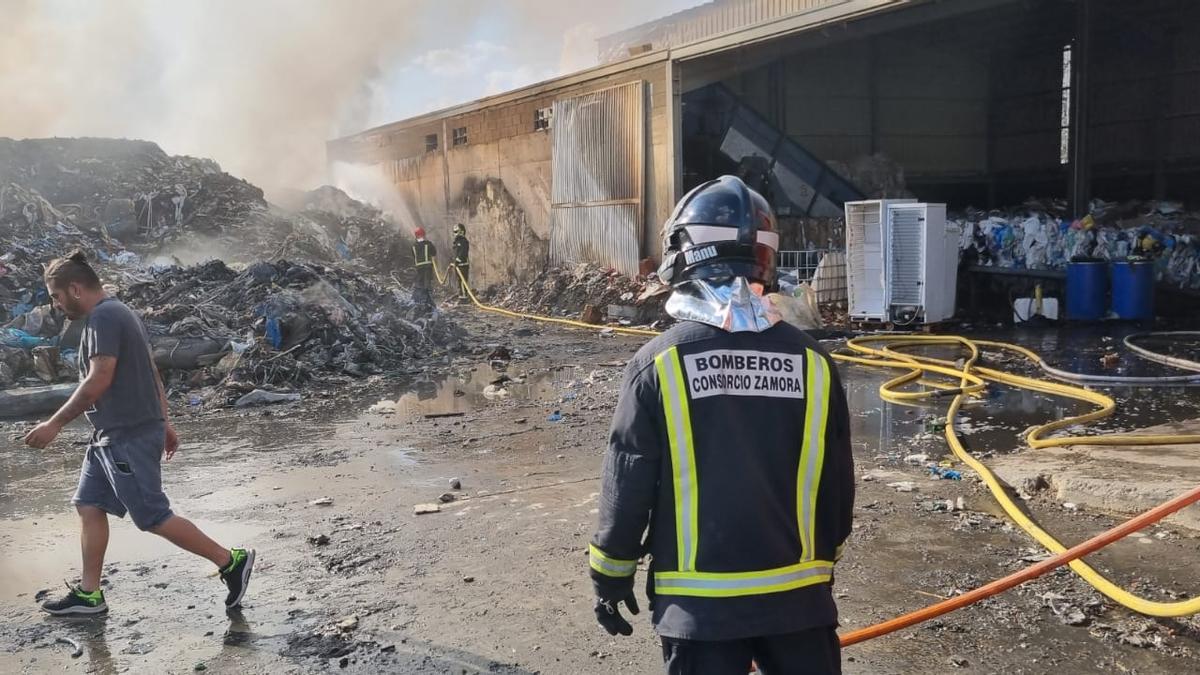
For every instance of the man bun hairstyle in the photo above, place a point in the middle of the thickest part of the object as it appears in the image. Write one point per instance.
(72, 268)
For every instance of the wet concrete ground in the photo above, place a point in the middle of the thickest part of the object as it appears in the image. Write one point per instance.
(496, 582)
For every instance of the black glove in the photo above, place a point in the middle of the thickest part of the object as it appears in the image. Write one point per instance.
(610, 593)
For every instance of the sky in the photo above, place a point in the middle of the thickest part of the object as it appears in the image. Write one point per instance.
(260, 85)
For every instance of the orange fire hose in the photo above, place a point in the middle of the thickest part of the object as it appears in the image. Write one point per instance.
(1033, 571)
(994, 588)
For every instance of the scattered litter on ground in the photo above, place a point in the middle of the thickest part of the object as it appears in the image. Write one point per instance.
(1035, 484)
(944, 473)
(263, 397)
(77, 650)
(1066, 612)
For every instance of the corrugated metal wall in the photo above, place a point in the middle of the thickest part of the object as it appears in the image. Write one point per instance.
(730, 15)
(705, 21)
(598, 177)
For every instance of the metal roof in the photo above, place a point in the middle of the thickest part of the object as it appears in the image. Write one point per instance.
(801, 15)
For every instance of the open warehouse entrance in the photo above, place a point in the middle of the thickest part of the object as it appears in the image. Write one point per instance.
(1051, 110)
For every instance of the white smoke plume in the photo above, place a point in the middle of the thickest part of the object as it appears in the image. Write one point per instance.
(259, 85)
(368, 184)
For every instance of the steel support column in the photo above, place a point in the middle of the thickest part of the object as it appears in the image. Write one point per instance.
(1079, 188)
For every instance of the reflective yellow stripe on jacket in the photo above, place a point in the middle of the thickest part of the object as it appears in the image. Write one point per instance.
(417, 256)
(730, 584)
(812, 453)
(683, 456)
(687, 580)
(609, 566)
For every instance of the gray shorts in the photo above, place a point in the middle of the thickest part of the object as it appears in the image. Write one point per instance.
(122, 473)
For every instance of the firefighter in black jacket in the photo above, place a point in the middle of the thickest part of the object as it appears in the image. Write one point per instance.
(731, 444)
(424, 255)
(462, 258)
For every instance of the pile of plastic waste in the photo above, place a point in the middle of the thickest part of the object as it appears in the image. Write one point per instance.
(1038, 235)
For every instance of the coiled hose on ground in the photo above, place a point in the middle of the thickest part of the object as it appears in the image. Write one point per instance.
(1165, 359)
(1133, 380)
(972, 379)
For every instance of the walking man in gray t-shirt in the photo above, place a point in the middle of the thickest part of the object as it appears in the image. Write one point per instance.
(122, 395)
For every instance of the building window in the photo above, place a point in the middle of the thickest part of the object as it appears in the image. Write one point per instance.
(542, 118)
(460, 136)
(431, 143)
(1064, 125)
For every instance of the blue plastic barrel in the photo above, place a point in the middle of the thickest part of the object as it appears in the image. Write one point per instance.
(1133, 290)
(1087, 291)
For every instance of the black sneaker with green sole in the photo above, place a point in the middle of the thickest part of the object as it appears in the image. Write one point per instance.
(76, 603)
(237, 575)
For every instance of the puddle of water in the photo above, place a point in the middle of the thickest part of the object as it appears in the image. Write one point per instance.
(38, 553)
(483, 386)
(18, 461)
(997, 422)
(1079, 349)
(401, 456)
(37, 482)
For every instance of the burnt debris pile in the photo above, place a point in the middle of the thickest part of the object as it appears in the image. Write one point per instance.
(593, 294)
(234, 291)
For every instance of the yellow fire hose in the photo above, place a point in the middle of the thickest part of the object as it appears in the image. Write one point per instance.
(535, 317)
(971, 380)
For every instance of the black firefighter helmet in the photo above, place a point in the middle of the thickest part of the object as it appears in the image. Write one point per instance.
(720, 230)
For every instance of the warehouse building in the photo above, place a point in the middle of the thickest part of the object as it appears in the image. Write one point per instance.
(973, 102)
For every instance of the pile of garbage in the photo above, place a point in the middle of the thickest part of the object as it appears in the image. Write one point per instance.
(281, 324)
(584, 289)
(272, 325)
(128, 187)
(360, 232)
(127, 201)
(157, 229)
(1040, 235)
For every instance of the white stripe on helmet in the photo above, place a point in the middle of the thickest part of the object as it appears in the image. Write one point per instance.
(706, 234)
